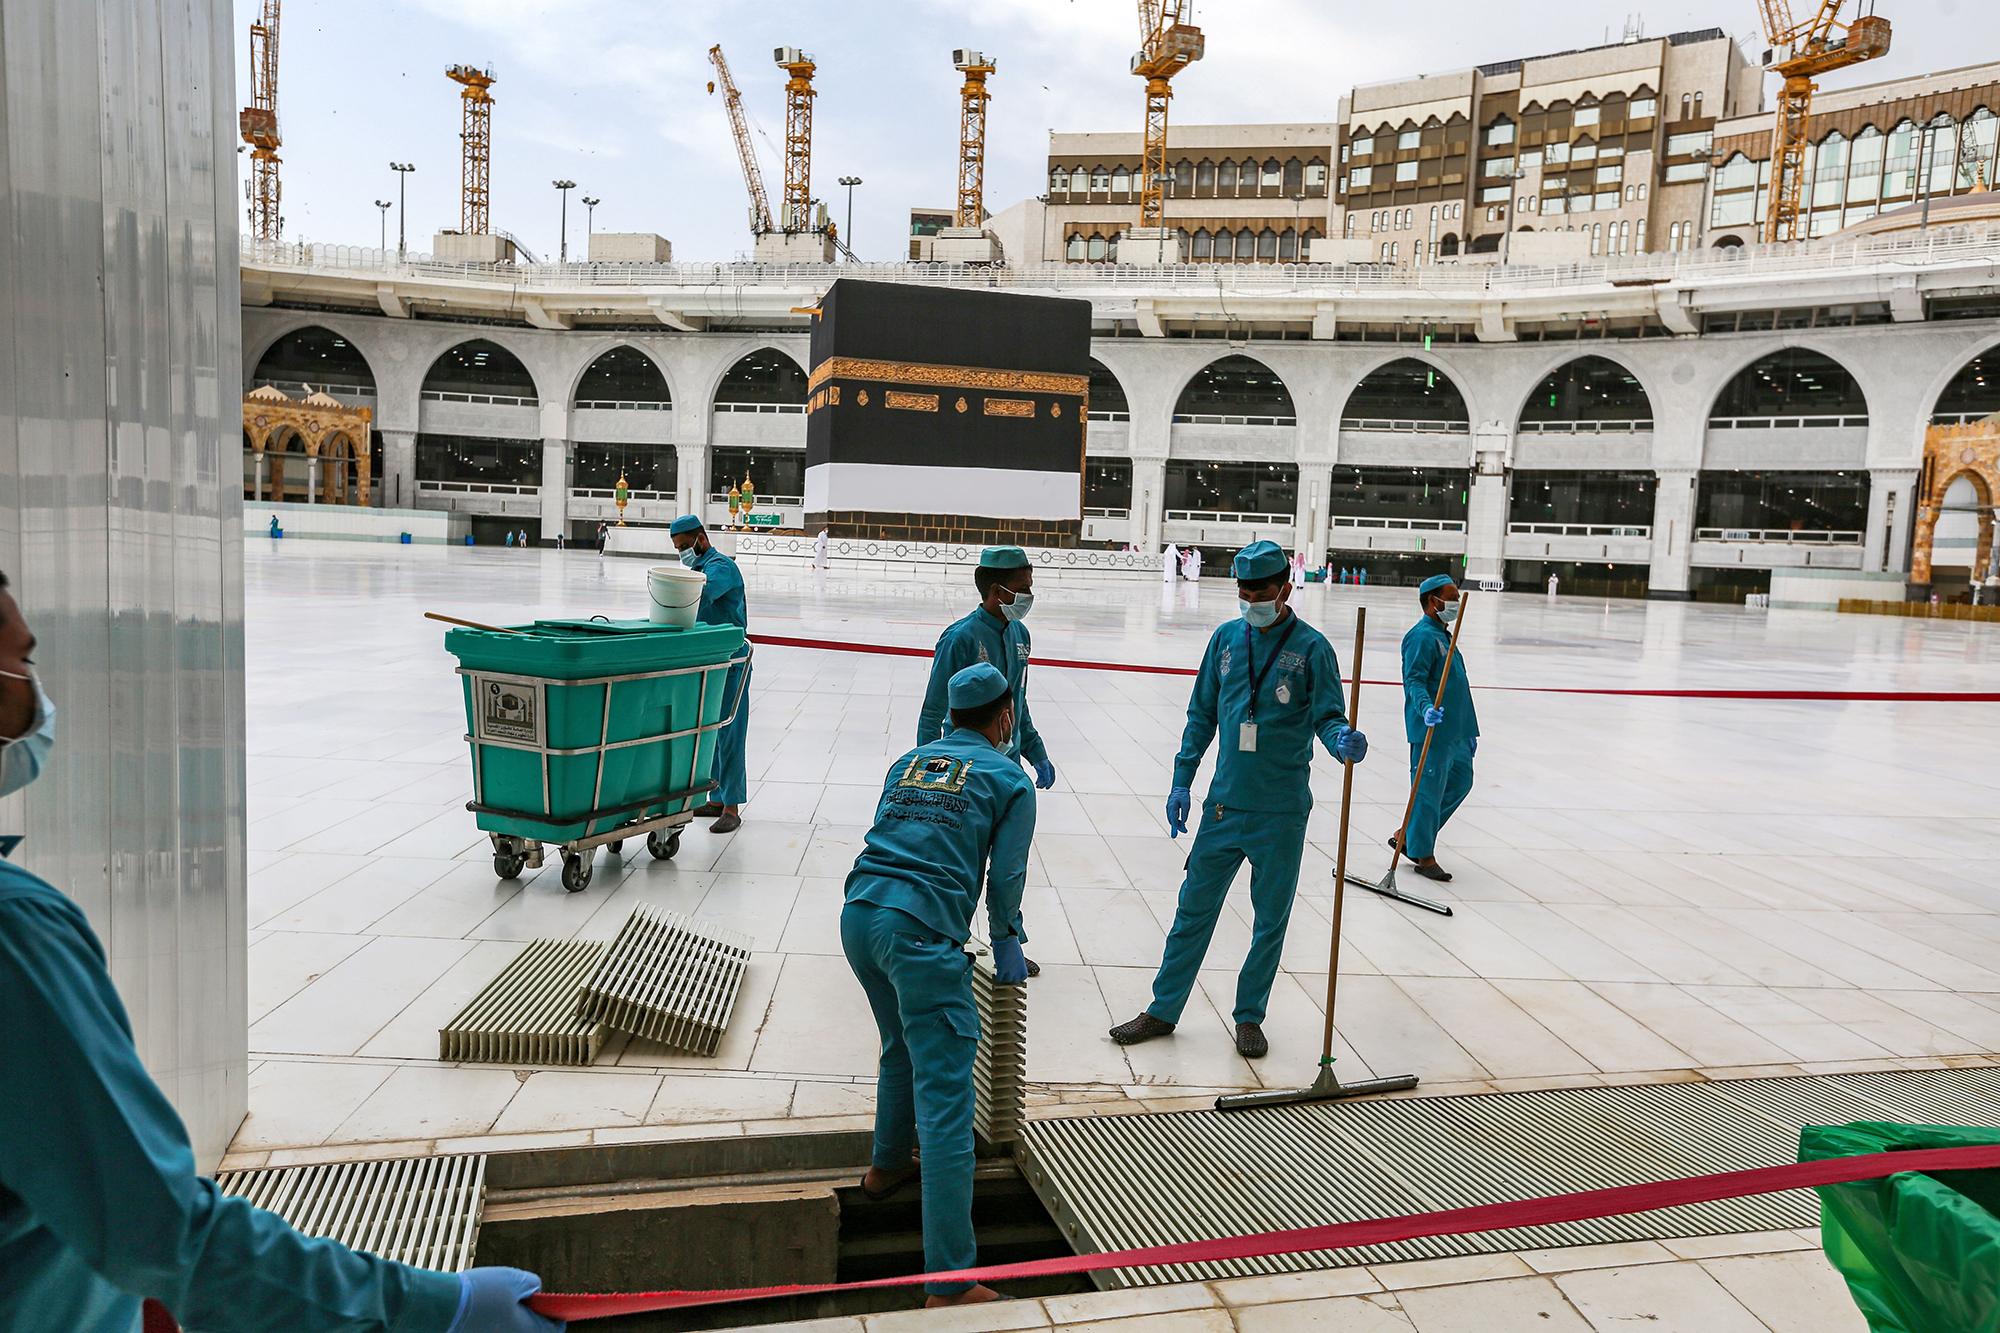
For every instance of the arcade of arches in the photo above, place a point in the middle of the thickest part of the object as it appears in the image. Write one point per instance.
(1965, 457)
(327, 436)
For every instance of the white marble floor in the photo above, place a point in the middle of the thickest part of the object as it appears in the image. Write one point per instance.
(1645, 886)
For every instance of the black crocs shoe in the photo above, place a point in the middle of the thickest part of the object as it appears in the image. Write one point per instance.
(1250, 1043)
(1432, 871)
(1143, 1028)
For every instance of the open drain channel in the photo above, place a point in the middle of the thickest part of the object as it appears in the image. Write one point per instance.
(1123, 1182)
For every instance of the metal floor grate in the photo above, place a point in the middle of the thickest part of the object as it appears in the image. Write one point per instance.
(422, 1211)
(670, 979)
(527, 1014)
(1120, 1182)
(1000, 1070)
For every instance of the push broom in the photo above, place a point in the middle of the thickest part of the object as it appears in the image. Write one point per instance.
(1386, 886)
(1327, 1085)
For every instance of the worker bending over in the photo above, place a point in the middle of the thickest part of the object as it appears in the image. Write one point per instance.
(1446, 778)
(100, 1204)
(1270, 681)
(721, 604)
(953, 810)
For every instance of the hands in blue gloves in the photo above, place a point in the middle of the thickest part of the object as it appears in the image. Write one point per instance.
(1045, 774)
(1433, 715)
(1010, 965)
(1350, 747)
(1179, 802)
(1475, 746)
(492, 1300)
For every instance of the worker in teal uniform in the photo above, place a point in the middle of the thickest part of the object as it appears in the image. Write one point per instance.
(1271, 683)
(994, 632)
(100, 1204)
(721, 604)
(1446, 779)
(953, 811)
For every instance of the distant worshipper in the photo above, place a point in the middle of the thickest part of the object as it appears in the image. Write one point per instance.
(1270, 684)
(101, 1208)
(955, 812)
(1446, 779)
(722, 603)
(1170, 561)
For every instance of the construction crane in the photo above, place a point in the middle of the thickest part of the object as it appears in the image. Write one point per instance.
(795, 212)
(746, 153)
(1800, 52)
(1167, 45)
(972, 135)
(258, 123)
(476, 159)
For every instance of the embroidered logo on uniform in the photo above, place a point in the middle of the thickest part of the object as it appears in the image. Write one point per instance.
(1291, 664)
(1021, 651)
(936, 772)
(1284, 690)
(1222, 666)
(982, 655)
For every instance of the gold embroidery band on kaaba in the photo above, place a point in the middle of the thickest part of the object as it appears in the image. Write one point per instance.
(1010, 407)
(910, 402)
(947, 377)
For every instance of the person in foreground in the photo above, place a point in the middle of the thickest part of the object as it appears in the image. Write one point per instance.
(721, 604)
(1446, 779)
(953, 811)
(100, 1204)
(1270, 681)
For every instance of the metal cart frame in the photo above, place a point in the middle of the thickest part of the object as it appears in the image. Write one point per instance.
(513, 853)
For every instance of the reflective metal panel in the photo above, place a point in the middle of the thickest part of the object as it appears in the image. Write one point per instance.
(119, 359)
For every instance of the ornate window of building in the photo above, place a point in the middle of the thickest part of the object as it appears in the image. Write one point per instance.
(1121, 181)
(1500, 132)
(1225, 181)
(1406, 172)
(1642, 108)
(1058, 181)
(1184, 177)
(1295, 177)
(1204, 246)
(1077, 249)
(1348, 231)
(1099, 249)
(1641, 246)
(1246, 178)
(1100, 181)
(1204, 177)
(1585, 116)
(1315, 177)
(1288, 246)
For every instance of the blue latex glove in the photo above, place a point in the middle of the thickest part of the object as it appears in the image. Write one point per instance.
(1010, 965)
(1350, 747)
(490, 1300)
(1433, 715)
(1179, 801)
(1045, 774)
(1475, 746)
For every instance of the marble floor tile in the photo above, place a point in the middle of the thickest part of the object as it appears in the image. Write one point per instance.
(1661, 1298)
(1791, 1293)
(559, 1099)
(431, 1101)
(1511, 1304)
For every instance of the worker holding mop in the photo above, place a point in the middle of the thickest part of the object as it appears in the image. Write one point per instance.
(721, 604)
(954, 811)
(1269, 681)
(1446, 778)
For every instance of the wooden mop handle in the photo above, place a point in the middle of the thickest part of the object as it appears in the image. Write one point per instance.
(468, 624)
(1410, 806)
(1340, 847)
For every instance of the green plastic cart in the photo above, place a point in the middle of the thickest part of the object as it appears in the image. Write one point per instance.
(587, 732)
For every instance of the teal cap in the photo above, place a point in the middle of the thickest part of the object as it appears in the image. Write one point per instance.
(977, 685)
(683, 525)
(1259, 560)
(1434, 582)
(1003, 557)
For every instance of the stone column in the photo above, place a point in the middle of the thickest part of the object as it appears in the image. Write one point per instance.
(555, 489)
(257, 475)
(1149, 496)
(691, 479)
(1310, 522)
(1487, 505)
(398, 487)
(1673, 535)
(312, 479)
(1891, 510)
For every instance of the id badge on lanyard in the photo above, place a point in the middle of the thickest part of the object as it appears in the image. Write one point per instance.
(1246, 737)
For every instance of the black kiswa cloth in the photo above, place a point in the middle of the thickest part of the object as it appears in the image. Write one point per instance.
(907, 375)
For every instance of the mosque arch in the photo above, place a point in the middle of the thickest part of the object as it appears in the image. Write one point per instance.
(315, 357)
(1973, 391)
(622, 376)
(1587, 394)
(1405, 390)
(1790, 382)
(480, 370)
(765, 378)
(1107, 395)
(1236, 386)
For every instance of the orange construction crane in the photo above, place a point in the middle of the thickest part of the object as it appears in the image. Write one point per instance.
(746, 153)
(795, 213)
(973, 98)
(1800, 52)
(1167, 45)
(476, 159)
(258, 123)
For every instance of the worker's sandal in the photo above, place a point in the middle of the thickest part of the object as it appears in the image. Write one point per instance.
(1143, 1028)
(1250, 1043)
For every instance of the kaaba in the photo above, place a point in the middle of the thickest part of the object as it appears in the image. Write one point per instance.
(941, 415)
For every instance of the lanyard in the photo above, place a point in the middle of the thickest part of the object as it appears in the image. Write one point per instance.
(1250, 647)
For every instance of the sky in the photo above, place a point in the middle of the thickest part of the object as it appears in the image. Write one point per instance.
(613, 94)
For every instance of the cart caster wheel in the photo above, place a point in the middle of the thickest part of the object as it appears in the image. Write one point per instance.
(663, 849)
(575, 872)
(614, 847)
(508, 867)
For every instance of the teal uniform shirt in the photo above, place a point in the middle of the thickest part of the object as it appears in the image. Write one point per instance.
(1298, 698)
(100, 1205)
(983, 637)
(1423, 660)
(722, 596)
(952, 813)
(722, 604)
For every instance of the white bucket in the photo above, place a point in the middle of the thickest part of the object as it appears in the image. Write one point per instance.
(675, 592)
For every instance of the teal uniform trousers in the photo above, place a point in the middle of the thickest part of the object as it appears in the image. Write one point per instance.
(722, 603)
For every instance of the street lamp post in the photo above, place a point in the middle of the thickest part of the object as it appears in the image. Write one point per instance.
(563, 187)
(402, 170)
(589, 222)
(847, 229)
(382, 242)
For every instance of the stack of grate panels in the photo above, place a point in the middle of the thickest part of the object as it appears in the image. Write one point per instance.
(669, 979)
(422, 1211)
(528, 1014)
(1000, 1069)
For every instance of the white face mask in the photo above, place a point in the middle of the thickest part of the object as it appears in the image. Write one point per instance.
(22, 758)
(689, 556)
(1258, 615)
(1448, 612)
(1018, 609)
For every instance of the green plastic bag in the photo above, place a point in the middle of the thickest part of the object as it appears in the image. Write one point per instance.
(1921, 1253)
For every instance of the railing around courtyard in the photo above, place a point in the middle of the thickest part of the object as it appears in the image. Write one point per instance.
(1787, 423)
(1091, 512)
(1636, 426)
(1406, 425)
(1230, 419)
(1109, 416)
(1579, 530)
(611, 495)
(1375, 523)
(722, 498)
(474, 488)
(1207, 516)
(621, 405)
(488, 399)
(781, 409)
(1780, 536)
